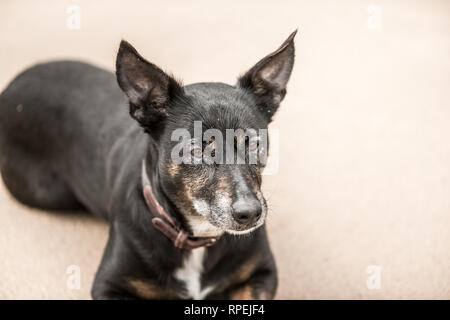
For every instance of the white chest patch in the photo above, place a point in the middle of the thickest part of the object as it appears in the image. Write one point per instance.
(190, 273)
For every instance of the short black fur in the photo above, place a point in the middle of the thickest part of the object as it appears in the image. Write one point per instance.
(67, 143)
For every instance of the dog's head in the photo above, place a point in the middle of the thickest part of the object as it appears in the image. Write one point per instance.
(212, 178)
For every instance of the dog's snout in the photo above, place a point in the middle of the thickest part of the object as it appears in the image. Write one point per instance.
(246, 211)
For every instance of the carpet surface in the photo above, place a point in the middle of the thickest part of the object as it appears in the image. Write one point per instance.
(362, 188)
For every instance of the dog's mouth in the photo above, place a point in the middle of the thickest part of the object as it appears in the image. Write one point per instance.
(216, 222)
(202, 227)
(245, 231)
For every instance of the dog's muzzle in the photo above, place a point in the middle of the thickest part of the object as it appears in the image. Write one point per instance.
(166, 224)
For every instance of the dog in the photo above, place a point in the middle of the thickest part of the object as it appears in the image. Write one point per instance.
(177, 230)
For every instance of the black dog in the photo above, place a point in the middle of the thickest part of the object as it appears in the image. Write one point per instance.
(67, 143)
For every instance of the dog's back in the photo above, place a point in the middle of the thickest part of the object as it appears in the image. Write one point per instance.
(57, 121)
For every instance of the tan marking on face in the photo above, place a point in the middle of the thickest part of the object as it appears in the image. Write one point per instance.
(188, 201)
(185, 199)
(187, 193)
(193, 184)
(173, 169)
(149, 290)
(255, 179)
(223, 184)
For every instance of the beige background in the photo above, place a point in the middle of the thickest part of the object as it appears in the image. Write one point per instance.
(364, 173)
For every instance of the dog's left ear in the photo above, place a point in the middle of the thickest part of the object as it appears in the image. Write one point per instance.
(267, 80)
(148, 88)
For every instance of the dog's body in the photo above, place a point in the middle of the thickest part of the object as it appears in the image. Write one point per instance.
(66, 142)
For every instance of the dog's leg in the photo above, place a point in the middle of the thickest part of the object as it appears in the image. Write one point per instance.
(261, 286)
(122, 276)
(108, 283)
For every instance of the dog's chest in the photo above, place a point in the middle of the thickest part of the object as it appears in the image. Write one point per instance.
(190, 273)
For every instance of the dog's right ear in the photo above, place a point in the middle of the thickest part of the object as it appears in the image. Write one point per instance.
(148, 88)
(267, 80)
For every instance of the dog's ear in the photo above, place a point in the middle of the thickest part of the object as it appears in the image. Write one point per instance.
(147, 87)
(267, 80)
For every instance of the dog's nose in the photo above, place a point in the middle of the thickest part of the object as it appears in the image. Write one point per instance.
(246, 211)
